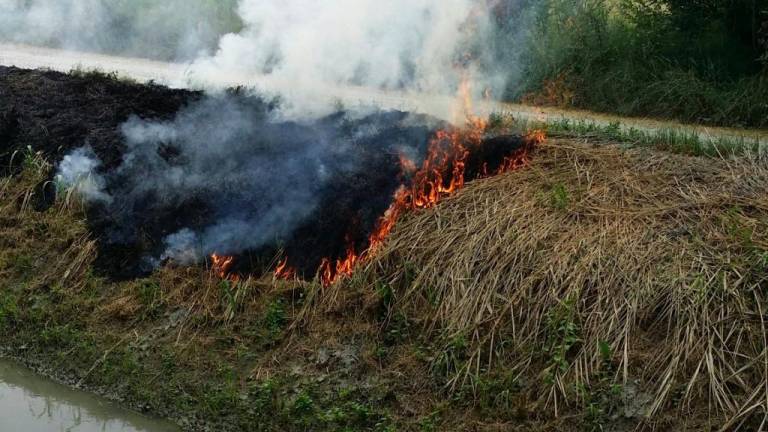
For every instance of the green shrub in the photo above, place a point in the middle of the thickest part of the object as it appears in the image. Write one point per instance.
(702, 63)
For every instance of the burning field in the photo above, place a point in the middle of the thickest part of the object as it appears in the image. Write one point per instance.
(224, 183)
(204, 258)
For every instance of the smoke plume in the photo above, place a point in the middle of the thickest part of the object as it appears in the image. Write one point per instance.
(226, 176)
(300, 49)
(168, 30)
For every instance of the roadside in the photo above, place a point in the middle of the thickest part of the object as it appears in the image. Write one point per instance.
(580, 292)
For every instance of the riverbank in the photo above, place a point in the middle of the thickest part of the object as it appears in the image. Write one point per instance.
(581, 291)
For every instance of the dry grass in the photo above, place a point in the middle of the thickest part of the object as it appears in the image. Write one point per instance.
(657, 261)
(642, 266)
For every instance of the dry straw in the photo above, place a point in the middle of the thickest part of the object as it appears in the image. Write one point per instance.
(653, 259)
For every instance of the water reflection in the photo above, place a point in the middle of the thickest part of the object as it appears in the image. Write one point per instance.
(31, 403)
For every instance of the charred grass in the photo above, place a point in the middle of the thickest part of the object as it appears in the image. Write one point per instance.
(598, 288)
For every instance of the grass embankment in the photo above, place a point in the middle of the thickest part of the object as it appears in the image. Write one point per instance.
(598, 288)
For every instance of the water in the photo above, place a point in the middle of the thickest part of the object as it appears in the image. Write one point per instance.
(31, 403)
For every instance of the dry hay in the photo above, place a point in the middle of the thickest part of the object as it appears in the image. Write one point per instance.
(662, 257)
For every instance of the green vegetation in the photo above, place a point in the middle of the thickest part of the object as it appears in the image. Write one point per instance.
(701, 62)
(671, 139)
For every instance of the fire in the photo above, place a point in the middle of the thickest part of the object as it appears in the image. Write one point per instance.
(283, 271)
(441, 174)
(330, 272)
(221, 266)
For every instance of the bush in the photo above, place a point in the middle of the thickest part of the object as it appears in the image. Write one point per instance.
(700, 62)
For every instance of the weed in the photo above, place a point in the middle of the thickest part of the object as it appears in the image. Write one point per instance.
(303, 405)
(262, 396)
(497, 393)
(275, 317)
(429, 423)
(452, 358)
(9, 309)
(228, 299)
(562, 336)
(558, 196)
(387, 295)
(150, 297)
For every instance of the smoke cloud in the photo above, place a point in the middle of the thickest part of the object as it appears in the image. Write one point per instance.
(166, 30)
(300, 49)
(226, 175)
(412, 44)
(78, 171)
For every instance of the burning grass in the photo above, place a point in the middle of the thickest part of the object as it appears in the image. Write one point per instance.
(640, 266)
(583, 287)
(593, 280)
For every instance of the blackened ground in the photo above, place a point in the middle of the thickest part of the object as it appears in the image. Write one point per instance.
(53, 113)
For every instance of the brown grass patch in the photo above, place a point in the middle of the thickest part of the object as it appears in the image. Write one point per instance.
(657, 261)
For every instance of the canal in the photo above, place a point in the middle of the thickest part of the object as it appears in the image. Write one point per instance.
(31, 403)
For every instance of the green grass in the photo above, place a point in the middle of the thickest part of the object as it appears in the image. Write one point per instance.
(675, 140)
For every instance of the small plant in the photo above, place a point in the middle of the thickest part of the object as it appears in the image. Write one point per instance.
(558, 197)
(150, 297)
(303, 405)
(275, 317)
(563, 334)
(228, 298)
(429, 423)
(452, 358)
(263, 396)
(386, 294)
(9, 309)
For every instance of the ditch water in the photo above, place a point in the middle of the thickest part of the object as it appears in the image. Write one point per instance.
(31, 403)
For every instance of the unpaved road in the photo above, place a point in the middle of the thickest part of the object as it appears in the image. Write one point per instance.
(184, 76)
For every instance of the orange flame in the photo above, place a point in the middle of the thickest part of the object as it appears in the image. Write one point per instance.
(221, 265)
(331, 272)
(283, 271)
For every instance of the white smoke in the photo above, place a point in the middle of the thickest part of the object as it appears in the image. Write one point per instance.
(78, 172)
(309, 52)
(168, 29)
(313, 46)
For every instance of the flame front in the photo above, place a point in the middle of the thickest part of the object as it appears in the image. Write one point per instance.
(283, 271)
(330, 272)
(442, 173)
(221, 266)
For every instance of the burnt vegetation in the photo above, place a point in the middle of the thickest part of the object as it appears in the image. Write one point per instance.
(352, 178)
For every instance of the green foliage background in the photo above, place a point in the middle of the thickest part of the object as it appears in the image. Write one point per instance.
(695, 60)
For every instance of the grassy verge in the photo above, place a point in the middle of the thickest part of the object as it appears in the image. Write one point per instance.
(598, 288)
(674, 140)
